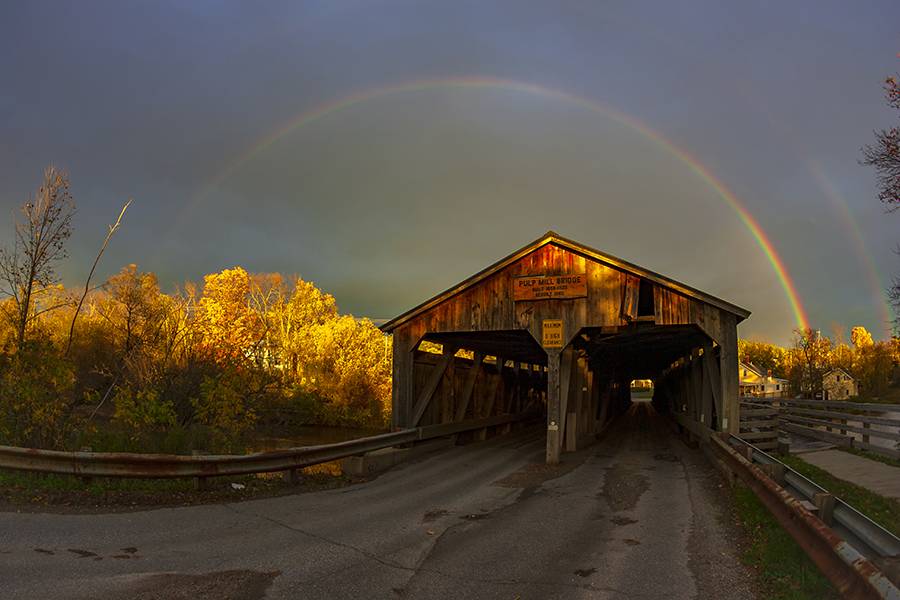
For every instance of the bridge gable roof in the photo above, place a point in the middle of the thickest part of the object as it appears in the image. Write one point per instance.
(589, 253)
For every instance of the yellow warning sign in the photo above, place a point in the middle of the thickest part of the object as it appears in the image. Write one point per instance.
(552, 333)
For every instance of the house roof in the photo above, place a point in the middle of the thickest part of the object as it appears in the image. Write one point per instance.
(554, 238)
(840, 370)
(758, 371)
(751, 367)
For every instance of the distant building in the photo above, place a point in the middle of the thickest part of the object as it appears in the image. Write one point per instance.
(838, 384)
(756, 382)
(642, 384)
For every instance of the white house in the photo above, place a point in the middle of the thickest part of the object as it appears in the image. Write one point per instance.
(838, 384)
(756, 382)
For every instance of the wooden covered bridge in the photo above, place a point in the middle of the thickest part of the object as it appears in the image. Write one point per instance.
(564, 328)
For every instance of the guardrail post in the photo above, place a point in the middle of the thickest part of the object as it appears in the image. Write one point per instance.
(294, 476)
(865, 435)
(774, 471)
(748, 453)
(825, 504)
(784, 447)
(200, 483)
(86, 479)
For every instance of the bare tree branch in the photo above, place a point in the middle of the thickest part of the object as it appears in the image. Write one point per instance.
(87, 283)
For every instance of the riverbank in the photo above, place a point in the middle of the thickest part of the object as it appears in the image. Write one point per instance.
(62, 494)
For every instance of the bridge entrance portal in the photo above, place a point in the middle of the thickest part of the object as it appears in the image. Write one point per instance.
(561, 328)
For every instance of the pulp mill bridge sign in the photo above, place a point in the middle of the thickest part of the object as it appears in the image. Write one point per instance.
(550, 287)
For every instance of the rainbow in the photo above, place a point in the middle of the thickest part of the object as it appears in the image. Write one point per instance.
(876, 282)
(330, 107)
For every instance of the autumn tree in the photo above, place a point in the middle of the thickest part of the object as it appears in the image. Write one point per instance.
(813, 350)
(136, 308)
(768, 357)
(230, 326)
(860, 338)
(842, 357)
(353, 365)
(295, 324)
(29, 266)
(874, 367)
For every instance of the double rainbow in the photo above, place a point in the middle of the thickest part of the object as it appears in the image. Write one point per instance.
(692, 162)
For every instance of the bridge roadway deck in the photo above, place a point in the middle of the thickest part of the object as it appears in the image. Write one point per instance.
(638, 515)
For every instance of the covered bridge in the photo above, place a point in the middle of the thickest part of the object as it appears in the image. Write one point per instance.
(561, 327)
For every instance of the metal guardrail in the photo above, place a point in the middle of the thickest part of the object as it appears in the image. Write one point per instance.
(875, 539)
(845, 559)
(160, 466)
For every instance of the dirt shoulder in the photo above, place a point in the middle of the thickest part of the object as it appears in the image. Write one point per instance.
(34, 493)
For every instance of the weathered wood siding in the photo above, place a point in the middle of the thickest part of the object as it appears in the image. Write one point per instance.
(489, 304)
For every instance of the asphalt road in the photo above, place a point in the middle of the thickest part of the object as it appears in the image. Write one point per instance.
(638, 515)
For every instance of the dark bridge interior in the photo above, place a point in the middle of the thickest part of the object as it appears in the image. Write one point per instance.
(460, 370)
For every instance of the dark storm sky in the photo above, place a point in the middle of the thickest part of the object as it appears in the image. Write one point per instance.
(392, 199)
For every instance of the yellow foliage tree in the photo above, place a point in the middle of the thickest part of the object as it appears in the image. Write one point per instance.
(860, 337)
(352, 360)
(230, 327)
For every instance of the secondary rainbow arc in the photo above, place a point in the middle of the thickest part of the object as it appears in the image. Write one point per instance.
(875, 280)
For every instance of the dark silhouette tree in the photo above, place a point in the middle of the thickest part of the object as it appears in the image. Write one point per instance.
(884, 157)
(884, 154)
(28, 267)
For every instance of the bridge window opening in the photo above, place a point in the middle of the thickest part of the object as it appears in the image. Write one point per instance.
(430, 347)
(646, 305)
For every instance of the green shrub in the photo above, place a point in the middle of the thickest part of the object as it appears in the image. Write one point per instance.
(36, 389)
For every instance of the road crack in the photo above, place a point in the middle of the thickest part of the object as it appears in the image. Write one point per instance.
(419, 568)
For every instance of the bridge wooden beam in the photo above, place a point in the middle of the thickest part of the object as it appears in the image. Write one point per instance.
(696, 384)
(553, 418)
(498, 384)
(432, 385)
(469, 386)
(712, 381)
(566, 368)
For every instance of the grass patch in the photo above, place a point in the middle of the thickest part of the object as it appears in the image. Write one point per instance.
(882, 510)
(37, 492)
(890, 396)
(784, 571)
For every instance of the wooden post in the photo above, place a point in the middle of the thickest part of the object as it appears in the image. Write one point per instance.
(433, 382)
(825, 504)
(705, 391)
(778, 473)
(553, 406)
(200, 483)
(566, 357)
(728, 378)
(469, 386)
(403, 375)
(294, 476)
(572, 432)
(488, 406)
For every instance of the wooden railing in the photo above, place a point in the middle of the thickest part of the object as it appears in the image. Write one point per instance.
(759, 422)
(849, 424)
